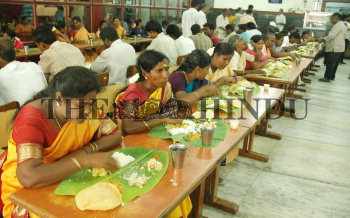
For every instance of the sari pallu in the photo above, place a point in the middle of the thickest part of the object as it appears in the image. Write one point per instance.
(136, 105)
(81, 35)
(70, 138)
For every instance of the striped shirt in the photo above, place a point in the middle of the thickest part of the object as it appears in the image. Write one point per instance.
(59, 56)
(201, 41)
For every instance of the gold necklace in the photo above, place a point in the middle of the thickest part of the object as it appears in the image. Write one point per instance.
(183, 72)
(54, 115)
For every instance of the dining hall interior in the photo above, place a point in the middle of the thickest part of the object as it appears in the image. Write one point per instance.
(175, 108)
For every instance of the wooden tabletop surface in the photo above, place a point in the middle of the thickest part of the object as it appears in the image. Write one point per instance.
(160, 201)
(293, 74)
(259, 107)
(85, 46)
(163, 198)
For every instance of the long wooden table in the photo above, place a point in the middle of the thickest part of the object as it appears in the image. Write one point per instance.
(199, 176)
(161, 200)
(257, 121)
(86, 46)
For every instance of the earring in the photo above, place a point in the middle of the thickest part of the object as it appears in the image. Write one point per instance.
(146, 78)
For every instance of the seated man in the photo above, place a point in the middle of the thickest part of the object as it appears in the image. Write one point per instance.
(242, 31)
(116, 58)
(184, 45)
(209, 31)
(56, 55)
(161, 42)
(252, 31)
(277, 50)
(291, 42)
(201, 41)
(230, 30)
(19, 81)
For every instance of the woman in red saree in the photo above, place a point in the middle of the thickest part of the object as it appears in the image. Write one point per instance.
(56, 134)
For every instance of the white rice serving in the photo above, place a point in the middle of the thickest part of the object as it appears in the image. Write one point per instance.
(122, 159)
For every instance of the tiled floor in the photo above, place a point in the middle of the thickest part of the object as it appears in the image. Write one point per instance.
(308, 174)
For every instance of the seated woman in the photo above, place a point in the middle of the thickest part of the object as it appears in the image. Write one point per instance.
(220, 67)
(53, 136)
(78, 33)
(240, 57)
(277, 50)
(120, 30)
(102, 25)
(16, 41)
(260, 60)
(188, 82)
(60, 31)
(149, 103)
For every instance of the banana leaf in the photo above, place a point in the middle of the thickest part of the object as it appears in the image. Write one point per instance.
(239, 92)
(219, 135)
(73, 184)
(212, 107)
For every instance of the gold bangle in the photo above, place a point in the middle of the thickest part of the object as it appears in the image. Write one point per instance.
(76, 162)
(92, 147)
(144, 122)
(196, 94)
(95, 146)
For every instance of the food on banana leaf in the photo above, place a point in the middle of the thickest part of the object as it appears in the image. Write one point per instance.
(193, 136)
(153, 164)
(209, 114)
(122, 159)
(101, 196)
(136, 179)
(96, 172)
(188, 127)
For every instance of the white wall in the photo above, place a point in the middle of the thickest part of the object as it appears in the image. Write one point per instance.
(263, 5)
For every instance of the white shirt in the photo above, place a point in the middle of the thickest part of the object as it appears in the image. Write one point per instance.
(184, 46)
(166, 45)
(188, 19)
(286, 42)
(20, 81)
(238, 62)
(221, 21)
(201, 18)
(335, 41)
(116, 59)
(280, 19)
(253, 32)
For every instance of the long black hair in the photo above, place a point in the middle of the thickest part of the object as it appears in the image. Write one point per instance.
(147, 61)
(72, 82)
(197, 58)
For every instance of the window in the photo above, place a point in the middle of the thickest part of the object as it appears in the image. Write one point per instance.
(92, 12)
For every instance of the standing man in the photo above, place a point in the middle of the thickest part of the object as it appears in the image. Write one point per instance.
(280, 20)
(201, 17)
(189, 18)
(221, 22)
(335, 45)
(247, 17)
